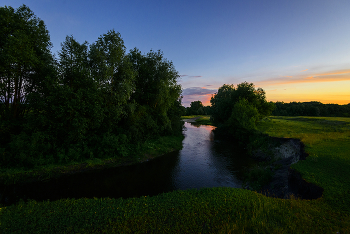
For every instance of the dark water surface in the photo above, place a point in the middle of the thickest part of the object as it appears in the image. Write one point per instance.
(203, 162)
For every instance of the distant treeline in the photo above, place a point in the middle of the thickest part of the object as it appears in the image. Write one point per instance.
(311, 109)
(196, 108)
(284, 109)
(93, 101)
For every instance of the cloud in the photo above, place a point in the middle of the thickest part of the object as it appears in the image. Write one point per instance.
(336, 75)
(198, 91)
(197, 94)
(304, 70)
(190, 76)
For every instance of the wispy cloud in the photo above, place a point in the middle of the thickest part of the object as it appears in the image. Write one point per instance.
(304, 70)
(197, 94)
(337, 75)
(198, 91)
(190, 76)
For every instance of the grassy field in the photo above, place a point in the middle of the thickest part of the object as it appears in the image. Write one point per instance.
(215, 210)
(327, 140)
(201, 119)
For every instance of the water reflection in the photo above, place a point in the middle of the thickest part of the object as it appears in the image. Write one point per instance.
(203, 162)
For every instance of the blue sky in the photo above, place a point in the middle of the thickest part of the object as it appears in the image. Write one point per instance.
(294, 50)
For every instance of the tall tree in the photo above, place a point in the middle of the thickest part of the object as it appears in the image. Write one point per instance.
(24, 59)
(113, 71)
(196, 108)
(239, 109)
(156, 91)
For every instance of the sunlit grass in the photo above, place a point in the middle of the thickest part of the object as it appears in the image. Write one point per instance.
(201, 119)
(189, 116)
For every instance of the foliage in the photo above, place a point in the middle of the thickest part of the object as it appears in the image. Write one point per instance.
(327, 143)
(93, 101)
(156, 97)
(258, 176)
(244, 115)
(208, 210)
(311, 109)
(25, 64)
(215, 210)
(131, 152)
(237, 110)
(204, 120)
(196, 108)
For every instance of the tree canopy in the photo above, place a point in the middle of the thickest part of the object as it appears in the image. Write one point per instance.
(311, 109)
(238, 109)
(25, 59)
(91, 102)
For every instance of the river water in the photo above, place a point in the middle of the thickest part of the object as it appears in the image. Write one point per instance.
(203, 162)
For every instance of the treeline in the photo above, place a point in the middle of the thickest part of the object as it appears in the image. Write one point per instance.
(311, 109)
(93, 101)
(196, 108)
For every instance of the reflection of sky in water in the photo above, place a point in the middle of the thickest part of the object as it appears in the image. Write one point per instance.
(202, 162)
(198, 167)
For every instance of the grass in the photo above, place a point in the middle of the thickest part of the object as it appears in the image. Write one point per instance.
(327, 140)
(215, 210)
(201, 119)
(148, 150)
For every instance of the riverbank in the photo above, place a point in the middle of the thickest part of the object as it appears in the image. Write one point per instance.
(273, 175)
(199, 119)
(147, 151)
(216, 210)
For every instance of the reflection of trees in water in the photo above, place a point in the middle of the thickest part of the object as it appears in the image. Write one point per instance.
(216, 162)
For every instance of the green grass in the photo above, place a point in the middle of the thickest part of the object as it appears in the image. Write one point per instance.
(204, 120)
(189, 116)
(201, 119)
(148, 150)
(215, 210)
(327, 140)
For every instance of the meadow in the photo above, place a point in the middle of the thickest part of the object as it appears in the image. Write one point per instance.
(215, 210)
(200, 119)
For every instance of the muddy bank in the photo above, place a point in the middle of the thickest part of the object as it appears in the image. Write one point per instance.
(286, 181)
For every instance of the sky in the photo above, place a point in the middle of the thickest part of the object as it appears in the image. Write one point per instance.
(296, 50)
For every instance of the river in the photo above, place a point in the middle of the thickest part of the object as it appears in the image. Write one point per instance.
(203, 162)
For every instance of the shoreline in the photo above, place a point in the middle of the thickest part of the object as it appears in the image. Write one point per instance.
(47, 172)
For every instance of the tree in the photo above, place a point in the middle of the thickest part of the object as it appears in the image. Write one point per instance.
(112, 69)
(196, 108)
(156, 92)
(26, 68)
(227, 96)
(239, 109)
(244, 114)
(25, 59)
